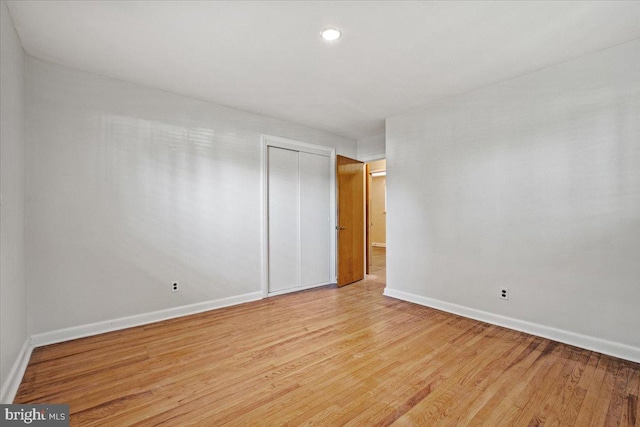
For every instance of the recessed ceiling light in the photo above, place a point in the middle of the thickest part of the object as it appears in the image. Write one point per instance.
(330, 34)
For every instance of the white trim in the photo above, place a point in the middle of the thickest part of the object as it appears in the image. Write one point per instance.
(265, 218)
(90, 329)
(299, 225)
(333, 210)
(289, 144)
(300, 288)
(611, 348)
(379, 245)
(13, 380)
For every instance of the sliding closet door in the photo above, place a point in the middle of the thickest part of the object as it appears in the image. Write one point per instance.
(284, 203)
(315, 233)
(300, 216)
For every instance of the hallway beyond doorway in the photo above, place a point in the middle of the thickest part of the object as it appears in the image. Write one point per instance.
(378, 269)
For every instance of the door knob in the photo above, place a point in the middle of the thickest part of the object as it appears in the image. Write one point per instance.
(340, 228)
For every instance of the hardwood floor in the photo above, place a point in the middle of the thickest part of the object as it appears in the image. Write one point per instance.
(331, 357)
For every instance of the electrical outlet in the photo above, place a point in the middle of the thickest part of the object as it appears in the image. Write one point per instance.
(504, 293)
(174, 287)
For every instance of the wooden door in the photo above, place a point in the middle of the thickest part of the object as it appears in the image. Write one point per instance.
(351, 220)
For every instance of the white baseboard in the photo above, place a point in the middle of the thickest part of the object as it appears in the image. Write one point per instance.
(82, 331)
(13, 380)
(379, 245)
(611, 348)
(12, 383)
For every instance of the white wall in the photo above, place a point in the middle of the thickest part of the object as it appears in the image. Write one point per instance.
(13, 291)
(533, 184)
(131, 188)
(371, 148)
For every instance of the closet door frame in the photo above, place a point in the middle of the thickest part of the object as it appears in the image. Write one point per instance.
(289, 144)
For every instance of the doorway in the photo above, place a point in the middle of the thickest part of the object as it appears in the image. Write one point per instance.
(376, 202)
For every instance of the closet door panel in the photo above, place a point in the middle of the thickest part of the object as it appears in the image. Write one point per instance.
(283, 211)
(315, 208)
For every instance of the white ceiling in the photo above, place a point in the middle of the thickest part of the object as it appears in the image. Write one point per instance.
(267, 57)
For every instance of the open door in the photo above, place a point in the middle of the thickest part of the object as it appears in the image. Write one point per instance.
(351, 220)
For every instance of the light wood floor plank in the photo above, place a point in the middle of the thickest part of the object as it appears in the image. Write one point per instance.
(326, 357)
(630, 411)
